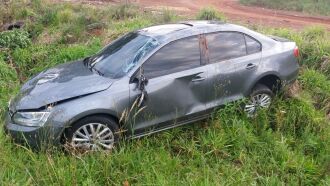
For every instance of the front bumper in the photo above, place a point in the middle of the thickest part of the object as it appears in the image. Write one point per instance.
(33, 137)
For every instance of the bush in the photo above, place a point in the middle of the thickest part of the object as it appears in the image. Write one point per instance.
(34, 29)
(166, 16)
(66, 15)
(210, 13)
(293, 117)
(49, 17)
(8, 83)
(14, 39)
(319, 86)
(39, 57)
(123, 11)
(72, 33)
(78, 25)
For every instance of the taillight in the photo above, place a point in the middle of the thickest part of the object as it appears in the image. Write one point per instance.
(296, 52)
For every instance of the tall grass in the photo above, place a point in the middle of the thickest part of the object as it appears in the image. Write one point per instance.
(314, 45)
(166, 16)
(287, 145)
(210, 13)
(231, 149)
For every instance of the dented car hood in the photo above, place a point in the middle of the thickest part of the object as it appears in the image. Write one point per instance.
(60, 83)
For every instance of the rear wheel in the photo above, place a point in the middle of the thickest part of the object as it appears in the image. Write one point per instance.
(260, 98)
(94, 133)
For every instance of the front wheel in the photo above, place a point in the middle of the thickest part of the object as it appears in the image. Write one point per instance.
(260, 98)
(94, 133)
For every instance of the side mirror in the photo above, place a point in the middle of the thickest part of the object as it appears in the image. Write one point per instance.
(142, 81)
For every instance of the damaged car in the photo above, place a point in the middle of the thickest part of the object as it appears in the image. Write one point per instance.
(151, 80)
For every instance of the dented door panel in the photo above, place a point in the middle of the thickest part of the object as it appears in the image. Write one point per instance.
(170, 97)
(224, 83)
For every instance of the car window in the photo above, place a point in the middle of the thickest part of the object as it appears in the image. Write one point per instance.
(252, 46)
(225, 45)
(177, 56)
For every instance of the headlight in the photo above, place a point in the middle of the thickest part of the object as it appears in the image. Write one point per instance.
(31, 119)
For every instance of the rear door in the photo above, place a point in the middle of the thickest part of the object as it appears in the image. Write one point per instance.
(227, 55)
(247, 68)
(176, 88)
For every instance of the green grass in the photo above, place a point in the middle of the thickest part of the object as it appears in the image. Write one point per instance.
(290, 145)
(230, 149)
(314, 45)
(210, 13)
(321, 7)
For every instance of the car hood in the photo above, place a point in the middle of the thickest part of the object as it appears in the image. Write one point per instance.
(60, 83)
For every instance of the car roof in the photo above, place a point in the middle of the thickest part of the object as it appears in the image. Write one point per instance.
(169, 32)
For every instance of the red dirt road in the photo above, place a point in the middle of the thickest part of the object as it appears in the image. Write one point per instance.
(231, 8)
(234, 11)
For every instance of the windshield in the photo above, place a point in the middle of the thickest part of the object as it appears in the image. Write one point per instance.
(118, 58)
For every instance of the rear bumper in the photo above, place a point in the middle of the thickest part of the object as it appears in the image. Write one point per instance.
(291, 78)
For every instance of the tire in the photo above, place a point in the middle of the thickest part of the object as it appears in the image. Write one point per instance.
(93, 133)
(260, 97)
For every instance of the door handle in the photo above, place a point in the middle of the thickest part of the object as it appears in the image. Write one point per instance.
(198, 78)
(250, 66)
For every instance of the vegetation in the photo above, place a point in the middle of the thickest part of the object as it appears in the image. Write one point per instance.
(210, 13)
(310, 6)
(288, 145)
(14, 39)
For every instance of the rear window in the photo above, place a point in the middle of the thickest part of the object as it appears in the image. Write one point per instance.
(225, 45)
(252, 46)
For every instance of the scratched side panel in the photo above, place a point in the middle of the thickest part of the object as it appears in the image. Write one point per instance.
(170, 98)
(223, 79)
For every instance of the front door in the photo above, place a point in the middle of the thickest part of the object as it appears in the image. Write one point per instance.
(176, 88)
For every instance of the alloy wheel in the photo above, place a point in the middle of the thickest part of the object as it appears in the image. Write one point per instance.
(93, 136)
(256, 102)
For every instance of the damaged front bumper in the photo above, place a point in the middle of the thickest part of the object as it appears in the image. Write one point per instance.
(33, 137)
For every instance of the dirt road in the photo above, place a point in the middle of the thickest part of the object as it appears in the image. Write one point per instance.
(234, 11)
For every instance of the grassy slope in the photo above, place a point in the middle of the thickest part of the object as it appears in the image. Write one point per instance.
(321, 7)
(289, 145)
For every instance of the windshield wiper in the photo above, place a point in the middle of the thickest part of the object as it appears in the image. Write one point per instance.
(97, 71)
(88, 62)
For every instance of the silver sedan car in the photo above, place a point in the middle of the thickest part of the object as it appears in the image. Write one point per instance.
(151, 80)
